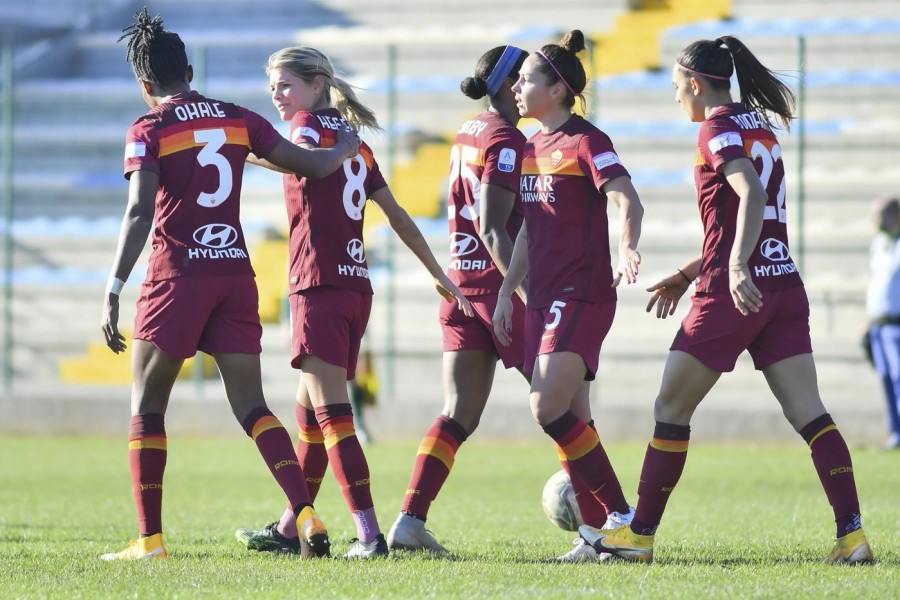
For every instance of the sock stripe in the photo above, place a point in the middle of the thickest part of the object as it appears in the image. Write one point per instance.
(264, 424)
(580, 444)
(150, 442)
(669, 445)
(440, 449)
(337, 430)
(822, 432)
(311, 434)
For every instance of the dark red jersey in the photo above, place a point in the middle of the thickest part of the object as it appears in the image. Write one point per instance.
(565, 213)
(326, 215)
(197, 146)
(733, 132)
(487, 149)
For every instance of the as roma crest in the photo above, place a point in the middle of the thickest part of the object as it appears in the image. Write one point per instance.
(556, 157)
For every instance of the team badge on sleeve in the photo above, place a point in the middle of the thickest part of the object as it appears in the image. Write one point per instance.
(302, 132)
(507, 161)
(606, 159)
(135, 149)
(731, 138)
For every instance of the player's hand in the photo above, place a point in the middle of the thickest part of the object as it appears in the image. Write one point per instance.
(349, 136)
(109, 324)
(451, 293)
(666, 294)
(629, 264)
(747, 297)
(502, 319)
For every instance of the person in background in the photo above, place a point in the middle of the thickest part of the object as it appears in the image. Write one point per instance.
(749, 296)
(883, 309)
(363, 394)
(330, 291)
(570, 174)
(184, 161)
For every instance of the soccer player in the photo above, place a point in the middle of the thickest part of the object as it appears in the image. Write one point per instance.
(749, 295)
(184, 160)
(570, 172)
(485, 215)
(330, 292)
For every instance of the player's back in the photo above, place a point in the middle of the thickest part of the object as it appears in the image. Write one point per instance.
(197, 146)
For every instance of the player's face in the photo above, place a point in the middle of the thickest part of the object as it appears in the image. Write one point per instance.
(291, 94)
(685, 95)
(534, 98)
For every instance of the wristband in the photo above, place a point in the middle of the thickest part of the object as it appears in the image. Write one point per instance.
(686, 278)
(114, 286)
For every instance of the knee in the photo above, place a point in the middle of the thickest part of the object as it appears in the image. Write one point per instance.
(670, 410)
(467, 419)
(543, 411)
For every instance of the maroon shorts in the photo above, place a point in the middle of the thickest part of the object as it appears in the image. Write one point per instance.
(570, 326)
(715, 333)
(477, 333)
(329, 323)
(214, 314)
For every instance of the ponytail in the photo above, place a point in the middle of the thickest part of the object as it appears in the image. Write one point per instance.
(561, 63)
(344, 99)
(761, 89)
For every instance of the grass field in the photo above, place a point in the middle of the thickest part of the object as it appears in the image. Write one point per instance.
(745, 522)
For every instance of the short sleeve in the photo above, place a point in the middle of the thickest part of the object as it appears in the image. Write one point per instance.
(262, 135)
(721, 142)
(141, 148)
(598, 158)
(503, 159)
(306, 129)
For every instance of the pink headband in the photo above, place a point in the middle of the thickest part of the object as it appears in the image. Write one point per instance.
(552, 66)
(701, 74)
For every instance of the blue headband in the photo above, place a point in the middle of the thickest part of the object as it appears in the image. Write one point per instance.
(502, 69)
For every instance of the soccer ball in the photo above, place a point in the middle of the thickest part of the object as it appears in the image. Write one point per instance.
(559, 502)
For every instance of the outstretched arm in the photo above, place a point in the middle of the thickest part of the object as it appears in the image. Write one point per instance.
(409, 233)
(313, 163)
(136, 225)
(669, 290)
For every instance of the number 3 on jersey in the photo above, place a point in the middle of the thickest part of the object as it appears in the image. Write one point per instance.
(354, 189)
(213, 140)
(460, 158)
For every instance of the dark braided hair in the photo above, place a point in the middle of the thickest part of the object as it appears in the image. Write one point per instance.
(156, 55)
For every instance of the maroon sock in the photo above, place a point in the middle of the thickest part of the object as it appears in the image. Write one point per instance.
(274, 445)
(147, 459)
(311, 451)
(587, 459)
(435, 457)
(663, 465)
(592, 511)
(346, 455)
(831, 458)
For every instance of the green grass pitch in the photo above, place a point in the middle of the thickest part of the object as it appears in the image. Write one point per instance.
(745, 522)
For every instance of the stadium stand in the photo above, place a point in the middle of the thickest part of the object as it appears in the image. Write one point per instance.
(67, 216)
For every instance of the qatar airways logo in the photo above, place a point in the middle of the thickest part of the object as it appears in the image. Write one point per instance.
(462, 244)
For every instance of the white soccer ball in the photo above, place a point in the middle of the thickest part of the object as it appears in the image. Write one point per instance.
(559, 502)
